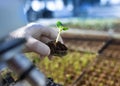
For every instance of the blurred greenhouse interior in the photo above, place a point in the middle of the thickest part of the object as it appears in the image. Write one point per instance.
(93, 41)
(36, 9)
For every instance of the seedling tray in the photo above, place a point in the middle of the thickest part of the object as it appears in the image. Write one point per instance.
(111, 49)
(103, 72)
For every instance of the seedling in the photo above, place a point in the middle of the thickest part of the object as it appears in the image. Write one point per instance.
(56, 47)
(61, 28)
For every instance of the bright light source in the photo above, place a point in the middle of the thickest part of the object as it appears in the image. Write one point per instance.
(70, 7)
(115, 1)
(59, 4)
(103, 2)
(37, 5)
(51, 5)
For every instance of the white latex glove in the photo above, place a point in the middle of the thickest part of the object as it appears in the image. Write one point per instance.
(37, 36)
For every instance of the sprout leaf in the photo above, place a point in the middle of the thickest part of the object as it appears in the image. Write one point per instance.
(61, 26)
(65, 28)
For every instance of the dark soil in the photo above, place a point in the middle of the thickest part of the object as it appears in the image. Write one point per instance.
(57, 49)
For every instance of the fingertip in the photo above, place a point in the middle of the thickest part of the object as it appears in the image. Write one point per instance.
(38, 47)
(47, 51)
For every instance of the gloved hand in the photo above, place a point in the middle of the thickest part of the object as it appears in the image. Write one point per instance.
(37, 35)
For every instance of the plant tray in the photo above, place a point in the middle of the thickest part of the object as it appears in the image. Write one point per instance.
(103, 72)
(113, 49)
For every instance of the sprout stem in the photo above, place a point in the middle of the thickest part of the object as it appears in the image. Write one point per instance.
(58, 36)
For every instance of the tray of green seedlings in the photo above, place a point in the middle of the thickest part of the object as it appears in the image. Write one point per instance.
(112, 49)
(103, 72)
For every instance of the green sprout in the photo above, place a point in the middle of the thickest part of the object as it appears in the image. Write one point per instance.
(61, 27)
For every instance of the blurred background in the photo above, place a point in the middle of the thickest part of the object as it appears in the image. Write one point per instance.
(93, 40)
(36, 9)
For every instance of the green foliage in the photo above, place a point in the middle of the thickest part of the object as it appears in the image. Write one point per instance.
(92, 24)
(60, 26)
(102, 24)
(66, 69)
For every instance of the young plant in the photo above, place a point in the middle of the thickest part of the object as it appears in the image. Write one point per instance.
(61, 28)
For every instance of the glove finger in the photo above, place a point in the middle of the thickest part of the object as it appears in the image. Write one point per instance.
(45, 39)
(39, 30)
(38, 46)
(53, 35)
(50, 34)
